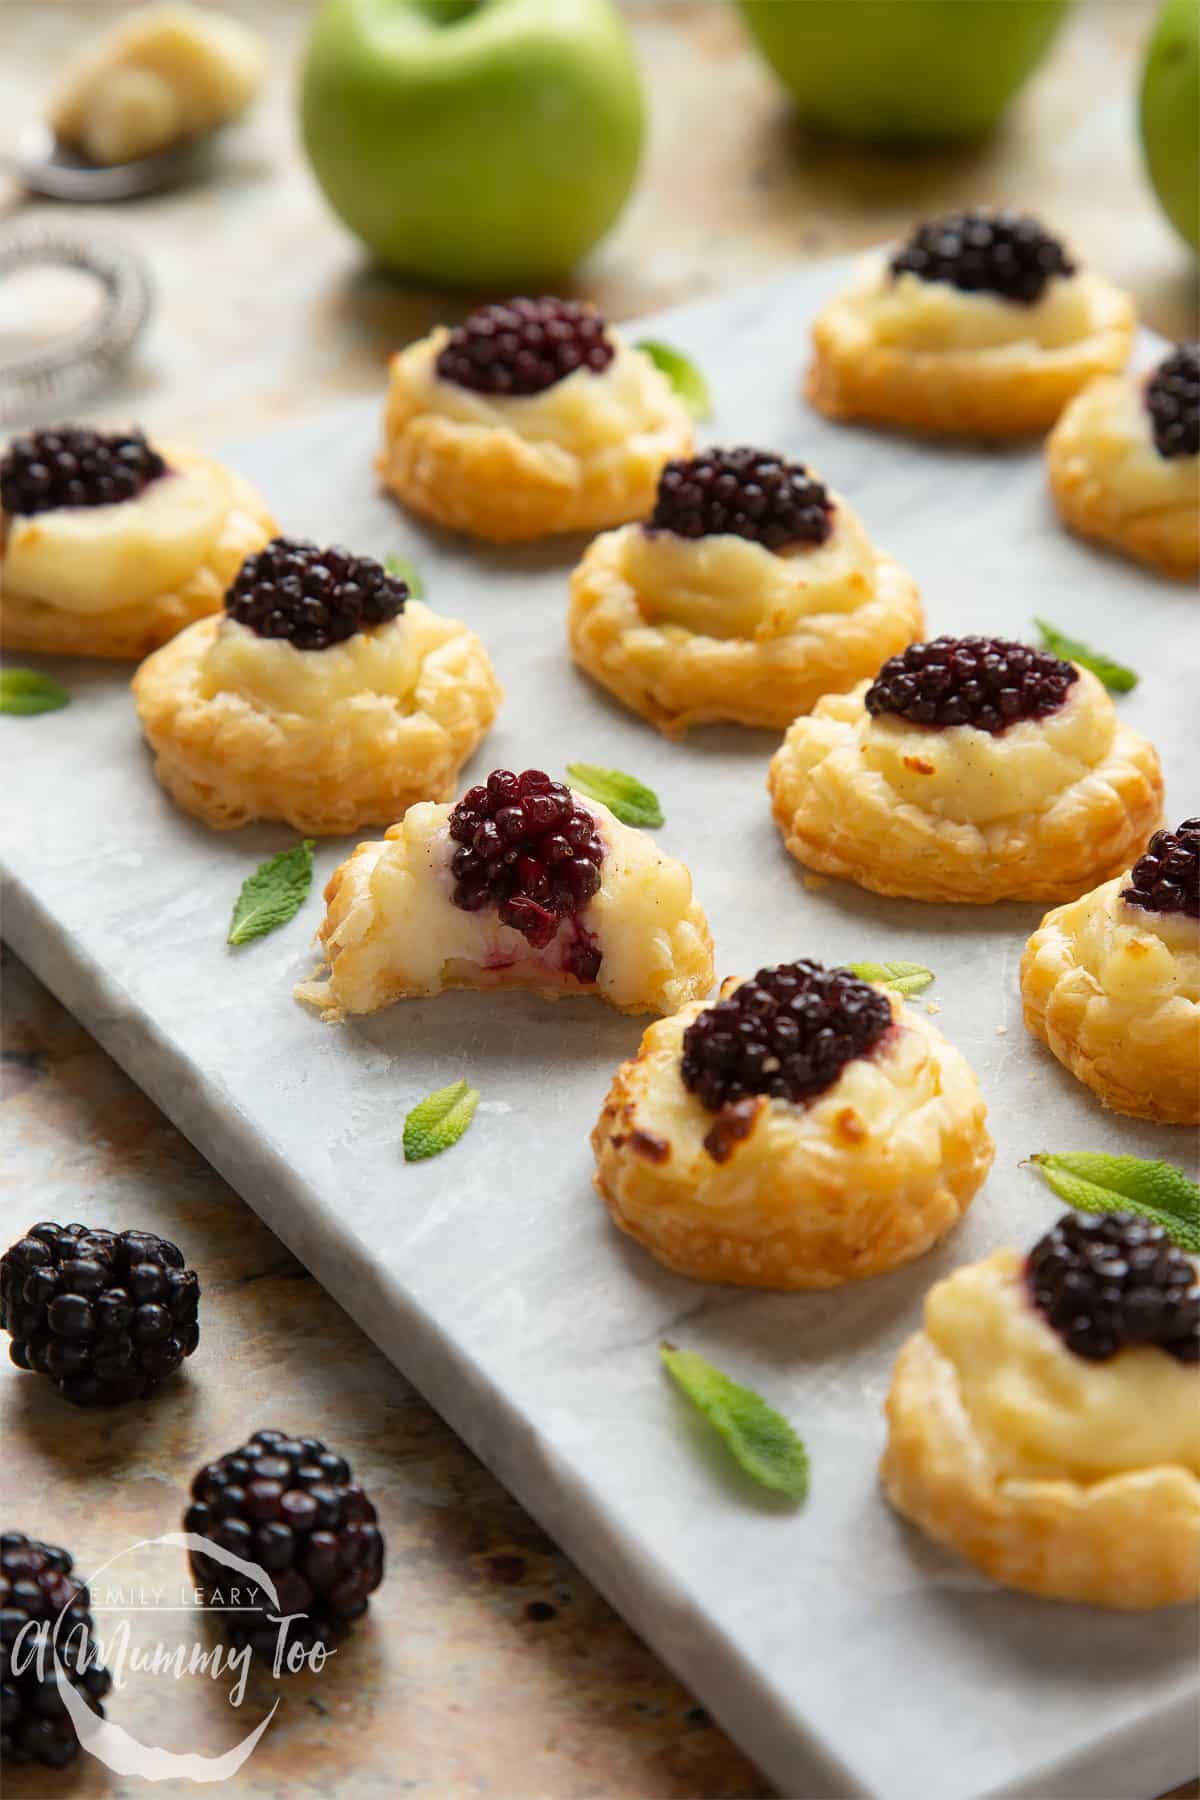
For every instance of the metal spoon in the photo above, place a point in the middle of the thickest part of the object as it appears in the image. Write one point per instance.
(46, 167)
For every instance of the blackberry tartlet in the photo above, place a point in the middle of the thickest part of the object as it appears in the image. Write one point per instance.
(973, 769)
(1045, 1422)
(1111, 983)
(804, 1131)
(106, 1315)
(47, 1628)
(532, 417)
(293, 1507)
(523, 884)
(1124, 464)
(324, 696)
(110, 544)
(980, 323)
(749, 592)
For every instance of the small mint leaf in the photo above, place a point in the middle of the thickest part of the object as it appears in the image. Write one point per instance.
(1114, 675)
(761, 1440)
(273, 894)
(907, 978)
(682, 374)
(625, 797)
(405, 569)
(26, 691)
(438, 1121)
(1095, 1182)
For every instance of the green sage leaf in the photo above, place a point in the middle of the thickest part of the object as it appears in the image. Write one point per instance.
(625, 797)
(273, 894)
(682, 374)
(438, 1121)
(405, 569)
(907, 978)
(1114, 675)
(1092, 1181)
(27, 691)
(762, 1442)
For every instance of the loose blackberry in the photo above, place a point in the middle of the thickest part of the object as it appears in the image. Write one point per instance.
(750, 493)
(525, 346)
(1166, 879)
(105, 1315)
(526, 847)
(44, 1620)
(990, 683)
(312, 598)
(1105, 1281)
(788, 1033)
(985, 251)
(72, 466)
(293, 1507)
(1173, 400)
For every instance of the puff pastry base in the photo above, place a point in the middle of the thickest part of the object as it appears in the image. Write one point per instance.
(1128, 1540)
(841, 817)
(998, 390)
(677, 678)
(1114, 993)
(129, 633)
(1088, 493)
(228, 758)
(862, 1179)
(391, 931)
(491, 477)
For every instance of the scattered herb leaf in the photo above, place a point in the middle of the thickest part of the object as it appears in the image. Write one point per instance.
(26, 691)
(623, 795)
(1113, 674)
(907, 978)
(1098, 1183)
(682, 374)
(405, 570)
(438, 1121)
(273, 894)
(761, 1440)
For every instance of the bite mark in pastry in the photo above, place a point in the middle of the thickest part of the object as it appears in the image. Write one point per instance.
(971, 769)
(805, 1131)
(523, 884)
(749, 592)
(1045, 1422)
(324, 697)
(1124, 463)
(980, 323)
(109, 545)
(530, 419)
(1111, 983)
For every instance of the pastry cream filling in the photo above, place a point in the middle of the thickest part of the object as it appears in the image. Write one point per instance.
(961, 773)
(382, 661)
(1044, 1411)
(727, 587)
(934, 315)
(98, 559)
(583, 414)
(1139, 956)
(1110, 427)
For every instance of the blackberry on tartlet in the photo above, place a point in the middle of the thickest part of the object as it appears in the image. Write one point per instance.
(753, 494)
(46, 1627)
(1173, 402)
(292, 1506)
(72, 465)
(107, 1316)
(988, 682)
(524, 346)
(312, 598)
(1109, 1281)
(985, 250)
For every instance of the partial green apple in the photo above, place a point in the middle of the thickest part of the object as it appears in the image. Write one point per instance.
(1170, 115)
(482, 142)
(904, 69)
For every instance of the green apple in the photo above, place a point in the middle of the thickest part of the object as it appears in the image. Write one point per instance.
(483, 142)
(1170, 115)
(897, 69)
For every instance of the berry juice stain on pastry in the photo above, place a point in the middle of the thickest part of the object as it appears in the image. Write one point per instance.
(749, 592)
(109, 545)
(324, 696)
(981, 323)
(533, 417)
(1111, 983)
(972, 769)
(804, 1131)
(1045, 1422)
(1124, 463)
(523, 883)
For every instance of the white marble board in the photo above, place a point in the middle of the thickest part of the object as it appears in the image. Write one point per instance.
(845, 1653)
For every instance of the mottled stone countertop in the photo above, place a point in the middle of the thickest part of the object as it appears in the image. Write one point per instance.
(490, 1666)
